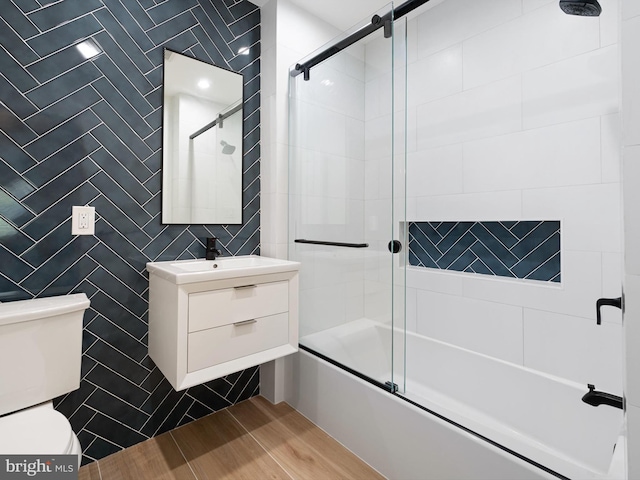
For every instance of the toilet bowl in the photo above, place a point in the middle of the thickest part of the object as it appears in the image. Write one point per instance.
(38, 430)
(40, 356)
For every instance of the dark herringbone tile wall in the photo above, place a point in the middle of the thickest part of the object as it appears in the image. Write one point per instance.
(88, 132)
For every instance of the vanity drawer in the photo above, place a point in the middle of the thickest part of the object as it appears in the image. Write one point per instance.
(222, 344)
(215, 308)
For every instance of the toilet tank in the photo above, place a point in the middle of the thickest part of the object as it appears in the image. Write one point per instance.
(40, 349)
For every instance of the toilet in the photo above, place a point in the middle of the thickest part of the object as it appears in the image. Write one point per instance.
(40, 356)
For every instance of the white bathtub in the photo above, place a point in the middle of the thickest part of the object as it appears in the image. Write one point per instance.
(538, 417)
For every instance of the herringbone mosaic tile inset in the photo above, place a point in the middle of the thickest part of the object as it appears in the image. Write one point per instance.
(517, 249)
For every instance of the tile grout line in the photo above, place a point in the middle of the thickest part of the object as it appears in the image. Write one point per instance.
(182, 453)
(258, 442)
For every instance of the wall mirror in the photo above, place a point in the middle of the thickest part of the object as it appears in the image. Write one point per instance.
(202, 142)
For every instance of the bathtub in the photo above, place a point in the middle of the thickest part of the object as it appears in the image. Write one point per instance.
(460, 415)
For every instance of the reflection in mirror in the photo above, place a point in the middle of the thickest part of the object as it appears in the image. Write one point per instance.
(202, 142)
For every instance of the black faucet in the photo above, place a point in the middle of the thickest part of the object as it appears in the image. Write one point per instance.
(212, 251)
(594, 398)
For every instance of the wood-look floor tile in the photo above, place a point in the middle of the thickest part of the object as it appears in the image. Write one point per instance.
(217, 448)
(89, 472)
(156, 459)
(301, 447)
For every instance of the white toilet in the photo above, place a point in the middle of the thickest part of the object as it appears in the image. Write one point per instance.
(40, 355)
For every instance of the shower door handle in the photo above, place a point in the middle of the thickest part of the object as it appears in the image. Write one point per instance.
(394, 246)
(610, 302)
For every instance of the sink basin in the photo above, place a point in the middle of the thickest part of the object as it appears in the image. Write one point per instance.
(200, 270)
(225, 263)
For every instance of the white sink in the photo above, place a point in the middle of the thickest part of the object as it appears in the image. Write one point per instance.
(200, 270)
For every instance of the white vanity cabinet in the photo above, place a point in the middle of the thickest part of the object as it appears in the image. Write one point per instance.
(212, 325)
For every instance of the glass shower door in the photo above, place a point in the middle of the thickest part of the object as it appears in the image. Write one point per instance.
(343, 216)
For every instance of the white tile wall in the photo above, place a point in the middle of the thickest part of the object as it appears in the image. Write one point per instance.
(319, 314)
(574, 348)
(556, 93)
(377, 300)
(590, 214)
(411, 309)
(377, 57)
(521, 45)
(484, 206)
(456, 20)
(611, 145)
(532, 132)
(610, 24)
(493, 55)
(355, 141)
(581, 286)
(534, 158)
(378, 99)
(377, 137)
(288, 33)
(335, 90)
(435, 281)
(528, 5)
(342, 151)
(435, 76)
(549, 35)
(437, 171)
(354, 297)
(486, 111)
(487, 327)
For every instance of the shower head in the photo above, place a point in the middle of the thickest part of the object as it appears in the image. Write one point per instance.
(226, 148)
(583, 8)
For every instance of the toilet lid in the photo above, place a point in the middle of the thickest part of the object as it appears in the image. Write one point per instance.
(35, 431)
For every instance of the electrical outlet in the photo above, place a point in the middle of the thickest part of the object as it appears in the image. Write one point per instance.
(83, 220)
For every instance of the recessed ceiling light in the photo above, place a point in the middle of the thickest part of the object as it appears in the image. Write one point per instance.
(89, 49)
(204, 84)
(243, 51)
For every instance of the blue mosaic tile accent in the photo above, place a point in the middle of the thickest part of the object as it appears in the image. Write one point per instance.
(524, 249)
(88, 132)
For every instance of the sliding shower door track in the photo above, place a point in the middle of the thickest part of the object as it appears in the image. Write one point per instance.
(384, 386)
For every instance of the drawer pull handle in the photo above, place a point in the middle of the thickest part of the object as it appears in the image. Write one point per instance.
(245, 322)
(242, 287)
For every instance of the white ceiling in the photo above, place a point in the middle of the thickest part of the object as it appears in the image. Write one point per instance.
(343, 14)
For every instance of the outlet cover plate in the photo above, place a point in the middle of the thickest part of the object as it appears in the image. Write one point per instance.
(83, 220)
